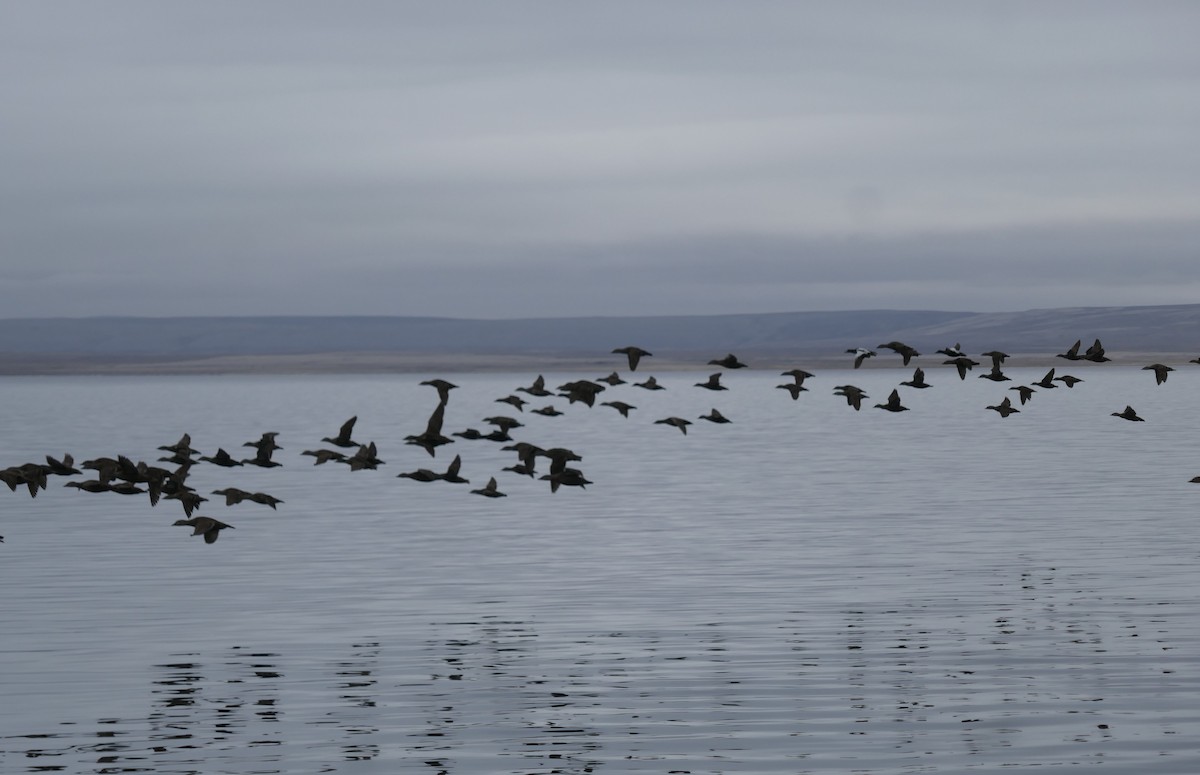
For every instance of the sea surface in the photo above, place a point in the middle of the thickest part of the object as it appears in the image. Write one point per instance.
(806, 589)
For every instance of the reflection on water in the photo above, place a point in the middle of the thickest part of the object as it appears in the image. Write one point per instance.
(1054, 680)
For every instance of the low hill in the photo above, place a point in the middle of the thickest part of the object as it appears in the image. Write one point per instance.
(52, 344)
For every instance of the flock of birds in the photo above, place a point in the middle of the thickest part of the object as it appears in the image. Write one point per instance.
(122, 475)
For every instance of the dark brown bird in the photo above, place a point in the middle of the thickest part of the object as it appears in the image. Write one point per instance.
(1128, 414)
(620, 406)
(1072, 354)
(538, 388)
(568, 477)
(713, 383)
(581, 390)
(953, 352)
(634, 354)
(962, 363)
(797, 374)
(64, 467)
(324, 455)
(442, 387)
(730, 361)
(613, 379)
(901, 349)
(263, 459)
(995, 375)
(266, 444)
(1047, 382)
(893, 403)
(794, 388)
(853, 395)
(1024, 391)
(650, 384)
(182, 447)
(918, 379)
(206, 526)
(1160, 372)
(490, 490)
(504, 422)
(547, 411)
(432, 437)
(715, 416)
(1005, 407)
(366, 458)
(342, 439)
(996, 356)
(514, 401)
(1095, 353)
(221, 458)
(677, 422)
(1068, 380)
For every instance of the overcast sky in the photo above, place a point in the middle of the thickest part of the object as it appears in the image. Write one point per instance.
(530, 159)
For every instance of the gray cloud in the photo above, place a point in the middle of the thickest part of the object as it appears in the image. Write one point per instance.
(522, 159)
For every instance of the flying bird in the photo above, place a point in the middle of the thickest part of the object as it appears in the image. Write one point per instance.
(730, 361)
(206, 526)
(1160, 372)
(860, 355)
(1005, 407)
(634, 354)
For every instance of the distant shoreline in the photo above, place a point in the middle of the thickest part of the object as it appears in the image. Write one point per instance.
(402, 363)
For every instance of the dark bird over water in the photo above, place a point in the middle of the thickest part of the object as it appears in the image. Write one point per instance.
(952, 352)
(996, 356)
(324, 455)
(795, 388)
(715, 416)
(206, 526)
(432, 437)
(514, 401)
(678, 422)
(1068, 380)
(962, 363)
(893, 403)
(442, 387)
(620, 406)
(1024, 391)
(613, 379)
(730, 361)
(538, 388)
(995, 375)
(797, 374)
(1005, 407)
(650, 384)
(221, 458)
(1047, 382)
(634, 354)
(1160, 372)
(1095, 353)
(1128, 414)
(342, 439)
(853, 395)
(918, 379)
(1072, 354)
(901, 349)
(581, 390)
(713, 383)
(490, 490)
(546, 411)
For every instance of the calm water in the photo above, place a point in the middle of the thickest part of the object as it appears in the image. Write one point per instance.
(807, 589)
